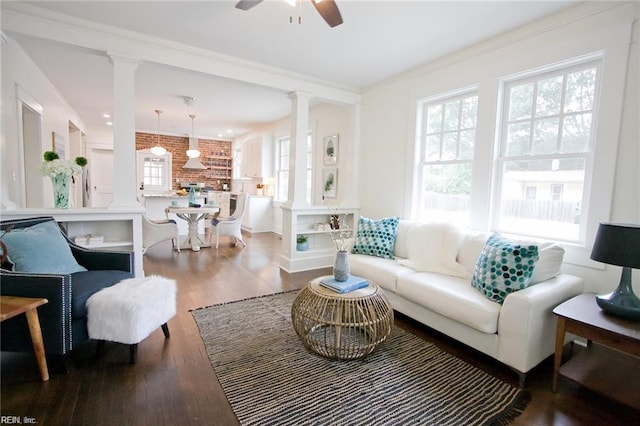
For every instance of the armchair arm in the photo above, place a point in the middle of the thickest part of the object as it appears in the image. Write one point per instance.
(103, 260)
(55, 316)
(527, 326)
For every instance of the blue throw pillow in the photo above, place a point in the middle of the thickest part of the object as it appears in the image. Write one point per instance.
(504, 266)
(376, 237)
(41, 249)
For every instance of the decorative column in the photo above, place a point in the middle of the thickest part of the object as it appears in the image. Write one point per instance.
(124, 131)
(298, 149)
(297, 176)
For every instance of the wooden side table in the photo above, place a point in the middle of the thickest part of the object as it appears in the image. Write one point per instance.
(11, 306)
(601, 367)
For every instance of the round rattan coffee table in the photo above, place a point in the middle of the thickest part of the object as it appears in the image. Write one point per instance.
(341, 326)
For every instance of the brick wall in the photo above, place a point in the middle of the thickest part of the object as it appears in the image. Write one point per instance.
(177, 146)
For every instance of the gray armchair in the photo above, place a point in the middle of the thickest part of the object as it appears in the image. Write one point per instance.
(64, 319)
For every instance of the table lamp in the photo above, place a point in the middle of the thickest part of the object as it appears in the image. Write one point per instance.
(619, 244)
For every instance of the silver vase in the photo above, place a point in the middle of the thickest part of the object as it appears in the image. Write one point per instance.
(341, 270)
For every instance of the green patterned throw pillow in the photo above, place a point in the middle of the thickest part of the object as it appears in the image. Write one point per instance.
(504, 266)
(376, 237)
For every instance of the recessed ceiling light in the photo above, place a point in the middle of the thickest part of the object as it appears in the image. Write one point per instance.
(229, 131)
(109, 123)
(105, 115)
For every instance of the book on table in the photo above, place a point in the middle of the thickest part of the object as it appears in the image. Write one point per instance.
(352, 283)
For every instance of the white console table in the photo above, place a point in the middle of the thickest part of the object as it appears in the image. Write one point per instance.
(122, 228)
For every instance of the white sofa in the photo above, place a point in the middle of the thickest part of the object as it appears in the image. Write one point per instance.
(519, 333)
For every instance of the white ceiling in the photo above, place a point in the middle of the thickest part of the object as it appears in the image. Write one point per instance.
(377, 40)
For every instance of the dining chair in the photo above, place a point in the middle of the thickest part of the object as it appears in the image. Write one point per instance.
(231, 226)
(156, 231)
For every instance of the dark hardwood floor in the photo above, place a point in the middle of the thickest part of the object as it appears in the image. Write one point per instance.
(173, 382)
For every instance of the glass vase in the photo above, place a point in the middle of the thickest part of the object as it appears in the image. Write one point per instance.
(60, 184)
(341, 270)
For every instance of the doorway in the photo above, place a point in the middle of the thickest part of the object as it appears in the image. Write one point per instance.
(100, 159)
(31, 122)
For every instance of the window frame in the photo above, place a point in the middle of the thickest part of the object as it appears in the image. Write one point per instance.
(421, 143)
(167, 172)
(279, 169)
(500, 143)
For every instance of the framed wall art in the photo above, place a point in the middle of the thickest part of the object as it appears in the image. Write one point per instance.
(330, 149)
(329, 182)
(58, 144)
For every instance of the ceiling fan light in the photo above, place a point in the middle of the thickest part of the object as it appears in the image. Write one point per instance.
(193, 153)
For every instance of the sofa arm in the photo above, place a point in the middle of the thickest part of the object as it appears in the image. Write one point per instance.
(527, 325)
(103, 260)
(55, 316)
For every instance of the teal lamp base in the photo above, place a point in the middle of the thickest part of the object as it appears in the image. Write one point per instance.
(622, 302)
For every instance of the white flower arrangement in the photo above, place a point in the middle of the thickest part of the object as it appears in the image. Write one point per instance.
(60, 167)
(53, 165)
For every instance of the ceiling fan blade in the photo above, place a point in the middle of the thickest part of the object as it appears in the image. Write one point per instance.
(247, 4)
(329, 11)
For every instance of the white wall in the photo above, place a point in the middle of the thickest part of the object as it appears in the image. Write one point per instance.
(389, 111)
(19, 70)
(324, 120)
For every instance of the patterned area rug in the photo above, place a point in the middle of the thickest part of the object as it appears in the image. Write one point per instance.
(269, 377)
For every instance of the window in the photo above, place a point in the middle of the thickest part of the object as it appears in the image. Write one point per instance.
(545, 148)
(309, 167)
(282, 174)
(446, 146)
(237, 161)
(154, 172)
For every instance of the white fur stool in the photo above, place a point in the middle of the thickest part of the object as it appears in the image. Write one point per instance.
(129, 311)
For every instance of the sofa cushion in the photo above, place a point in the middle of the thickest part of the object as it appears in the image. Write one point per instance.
(384, 272)
(42, 249)
(405, 231)
(504, 266)
(376, 237)
(549, 264)
(451, 297)
(433, 247)
(470, 249)
(85, 284)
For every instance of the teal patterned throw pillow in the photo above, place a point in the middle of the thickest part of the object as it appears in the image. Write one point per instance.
(376, 237)
(504, 266)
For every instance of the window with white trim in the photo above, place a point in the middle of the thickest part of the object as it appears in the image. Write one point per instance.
(446, 147)
(282, 166)
(309, 167)
(282, 170)
(154, 171)
(545, 152)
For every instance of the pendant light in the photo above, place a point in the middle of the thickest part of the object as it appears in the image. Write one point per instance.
(158, 150)
(192, 152)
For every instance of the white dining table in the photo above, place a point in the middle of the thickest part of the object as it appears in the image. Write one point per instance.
(192, 215)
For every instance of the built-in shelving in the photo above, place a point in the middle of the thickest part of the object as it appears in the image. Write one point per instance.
(316, 223)
(219, 167)
(121, 228)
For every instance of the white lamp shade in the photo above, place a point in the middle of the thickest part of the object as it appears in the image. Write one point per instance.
(193, 153)
(158, 150)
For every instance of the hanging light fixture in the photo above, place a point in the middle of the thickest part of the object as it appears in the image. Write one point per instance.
(158, 150)
(192, 152)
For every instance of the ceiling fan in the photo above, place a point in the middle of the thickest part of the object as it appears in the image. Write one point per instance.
(326, 8)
